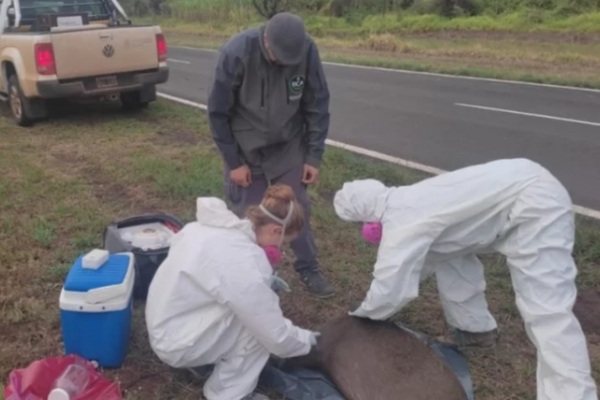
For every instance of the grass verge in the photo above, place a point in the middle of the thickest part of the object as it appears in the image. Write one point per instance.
(64, 180)
(539, 57)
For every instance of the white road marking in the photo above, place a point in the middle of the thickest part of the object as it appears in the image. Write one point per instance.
(384, 157)
(587, 212)
(405, 71)
(195, 49)
(182, 101)
(178, 61)
(575, 121)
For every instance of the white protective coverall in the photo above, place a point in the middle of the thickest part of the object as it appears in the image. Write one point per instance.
(210, 302)
(515, 207)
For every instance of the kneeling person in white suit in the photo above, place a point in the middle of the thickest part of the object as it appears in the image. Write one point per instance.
(515, 207)
(211, 302)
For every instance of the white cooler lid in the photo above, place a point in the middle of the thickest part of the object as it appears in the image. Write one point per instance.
(108, 288)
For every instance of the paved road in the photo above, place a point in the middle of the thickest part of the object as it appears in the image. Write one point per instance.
(438, 121)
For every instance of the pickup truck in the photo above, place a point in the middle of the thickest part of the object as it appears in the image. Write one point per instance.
(74, 49)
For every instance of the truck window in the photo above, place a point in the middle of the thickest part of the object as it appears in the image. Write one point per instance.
(30, 9)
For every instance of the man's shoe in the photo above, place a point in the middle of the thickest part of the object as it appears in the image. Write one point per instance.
(316, 284)
(484, 340)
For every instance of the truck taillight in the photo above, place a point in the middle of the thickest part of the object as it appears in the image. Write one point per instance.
(44, 59)
(161, 47)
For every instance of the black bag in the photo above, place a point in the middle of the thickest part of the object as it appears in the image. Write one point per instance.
(146, 261)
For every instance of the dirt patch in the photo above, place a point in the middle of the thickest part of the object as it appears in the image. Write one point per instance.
(578, 71)
(176, 137)
(9, 333)
(522, 59)
(112, 192)
(378, 49)
(531, 36)
(102, 188)
(138, 382)
(554, 37)
(327, 196)
(587, 310)
(65, 158)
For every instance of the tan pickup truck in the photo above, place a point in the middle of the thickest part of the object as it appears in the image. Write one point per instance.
(60, 49)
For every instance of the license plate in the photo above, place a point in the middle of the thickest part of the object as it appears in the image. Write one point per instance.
(106, 82)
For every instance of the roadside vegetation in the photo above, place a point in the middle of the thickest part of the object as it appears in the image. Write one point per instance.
(64, 180)
(545, 41)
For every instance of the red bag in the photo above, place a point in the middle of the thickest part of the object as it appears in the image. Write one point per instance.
(35, 381)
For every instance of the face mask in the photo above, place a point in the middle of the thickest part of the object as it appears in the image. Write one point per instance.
(274, 252)
(372, 232)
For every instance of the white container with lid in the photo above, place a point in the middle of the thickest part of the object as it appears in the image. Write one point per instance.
(71, 383)
(147, 236)
(60, 394)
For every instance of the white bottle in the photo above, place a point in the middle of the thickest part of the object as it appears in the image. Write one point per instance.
(71, 384)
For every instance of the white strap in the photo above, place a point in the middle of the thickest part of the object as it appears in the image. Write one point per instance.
(282, 222)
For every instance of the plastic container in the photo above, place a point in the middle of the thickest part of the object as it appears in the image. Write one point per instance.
(96, 310)
(71, 383)
(148, 238)
(95, 259)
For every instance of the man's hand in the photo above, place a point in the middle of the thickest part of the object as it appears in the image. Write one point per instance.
(311, 175)
(241, 176)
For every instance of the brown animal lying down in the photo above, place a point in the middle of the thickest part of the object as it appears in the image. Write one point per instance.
(375, 360)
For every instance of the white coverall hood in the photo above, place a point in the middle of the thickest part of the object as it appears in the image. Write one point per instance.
(361, 201)
(515, 207)
(211, 211)
(210, 302)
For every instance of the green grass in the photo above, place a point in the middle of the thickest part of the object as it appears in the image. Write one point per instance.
(548, 62)
(532, 46)
(552, 42)
(357, 21)
(63, 181)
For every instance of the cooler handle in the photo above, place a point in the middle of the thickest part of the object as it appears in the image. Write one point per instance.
(106, 293)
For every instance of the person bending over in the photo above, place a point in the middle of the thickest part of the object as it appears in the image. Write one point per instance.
(515, 207)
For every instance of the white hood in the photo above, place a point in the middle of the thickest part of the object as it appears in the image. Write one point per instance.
(361, 201)
(212, 211)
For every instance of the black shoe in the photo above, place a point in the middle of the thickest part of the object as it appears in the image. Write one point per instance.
(483, 340)
(316, 284)
(202, 372)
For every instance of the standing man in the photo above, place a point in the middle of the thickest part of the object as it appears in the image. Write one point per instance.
(268, 110)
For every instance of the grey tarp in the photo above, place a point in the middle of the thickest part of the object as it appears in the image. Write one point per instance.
(305, 384)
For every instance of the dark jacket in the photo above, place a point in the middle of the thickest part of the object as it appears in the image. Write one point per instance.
(269, 117)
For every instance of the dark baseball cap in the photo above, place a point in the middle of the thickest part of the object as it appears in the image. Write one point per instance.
(286, 38)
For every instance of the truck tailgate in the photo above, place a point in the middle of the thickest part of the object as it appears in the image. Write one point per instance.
(105, 51)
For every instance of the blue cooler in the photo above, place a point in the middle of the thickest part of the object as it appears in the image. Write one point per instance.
(96, 307)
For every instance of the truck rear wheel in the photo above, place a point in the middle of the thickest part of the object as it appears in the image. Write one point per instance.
(19, 104)
(132, 101)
